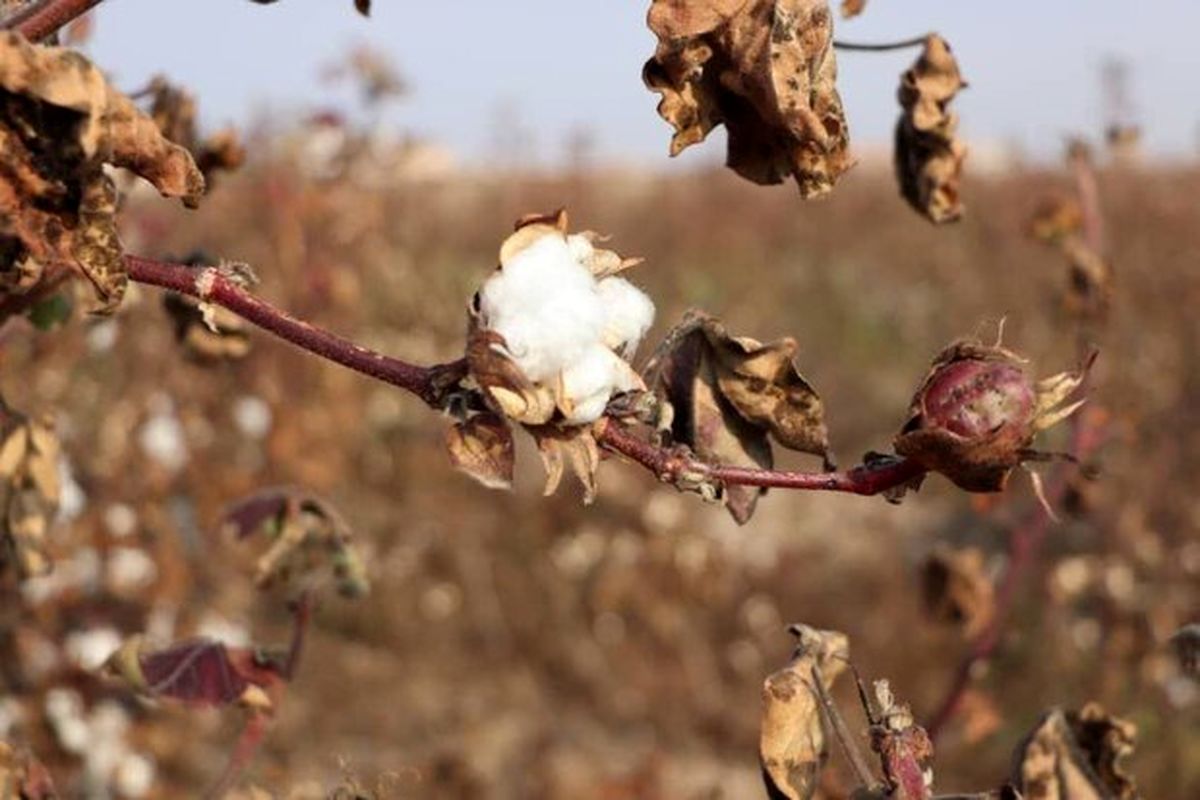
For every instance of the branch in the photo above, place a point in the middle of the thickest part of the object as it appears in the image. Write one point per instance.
(880, 47)
(671, 465)
(42, 19)
(217, 286)
(212, 285)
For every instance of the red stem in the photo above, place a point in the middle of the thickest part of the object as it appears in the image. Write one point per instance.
(44, 18)
(670, 465)
(211, 285)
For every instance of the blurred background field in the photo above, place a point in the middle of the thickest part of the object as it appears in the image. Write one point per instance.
(515, 646)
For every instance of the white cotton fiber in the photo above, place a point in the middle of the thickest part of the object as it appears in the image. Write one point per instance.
(628, 314)
(562, 326)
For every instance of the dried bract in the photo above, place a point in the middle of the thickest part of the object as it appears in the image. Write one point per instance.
(482, 447)
(977, 412)
(60, 124)
(763, 68)
(29, 490)
(928, 154)
(793, 745)
(1077, 756)
(730, 395)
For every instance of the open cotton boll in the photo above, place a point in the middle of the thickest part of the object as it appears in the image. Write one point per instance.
(628, 314)
(589, 383)
(545, 305)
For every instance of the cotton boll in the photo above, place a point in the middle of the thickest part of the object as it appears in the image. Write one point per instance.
(545, 305)
(628, 312)
(589, 383)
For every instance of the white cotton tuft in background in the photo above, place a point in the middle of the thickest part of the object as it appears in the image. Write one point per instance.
(562, 326)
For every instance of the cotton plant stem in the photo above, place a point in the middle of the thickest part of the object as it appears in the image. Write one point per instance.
(42, 19)
(218, 287)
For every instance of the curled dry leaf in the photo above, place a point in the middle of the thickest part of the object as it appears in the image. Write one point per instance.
(1058, 222)
(22, 776)
(929, 155)
(174, 111)
(730, 395)
(482, 447)
(1077, 755)
(957, 589)
(977, 412)
(310, 540)
(793, 746)
(763, 68)
(29, 490)
(60, 123)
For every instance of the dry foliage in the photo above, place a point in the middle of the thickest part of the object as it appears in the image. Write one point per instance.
(956, 588)
(1077, 755)
(29, 490)
(929, 155)
(763, 68)
(60, 124)
(730, 396)
(173, 109)
(23, 777)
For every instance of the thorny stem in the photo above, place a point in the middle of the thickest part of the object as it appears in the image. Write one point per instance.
(672, 465)
(880, 47)
(217, 286)
(42, 19)
(212, 285)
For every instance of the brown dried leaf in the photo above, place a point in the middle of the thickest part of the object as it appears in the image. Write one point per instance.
(928, 155)
(852, 8)
(482, 447)
(793, 745)
(573, 447)
(956, 588)
(60, 123)
(764, 385)
(763, 68)
(1186, 642)
(29, 490)
(502, 383)
(1077, 756)
(173, 109)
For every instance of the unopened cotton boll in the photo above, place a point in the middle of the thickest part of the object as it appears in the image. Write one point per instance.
(628, 314)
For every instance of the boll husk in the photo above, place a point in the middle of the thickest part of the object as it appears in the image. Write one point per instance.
(974, 417)
(553, 327)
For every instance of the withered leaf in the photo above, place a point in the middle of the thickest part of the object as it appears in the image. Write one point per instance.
(310, 540)
(763, 68)
(174, 111)
(730, 395)
(929, 155)
(1186, 642)
(793, 746)
(956, 588)
(1077, 755)
(60, 123)
(482, 447)
(29, 490)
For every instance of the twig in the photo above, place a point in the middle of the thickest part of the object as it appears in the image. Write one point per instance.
(44, 18)
(671, 465)
(880, 47)
(211, 285)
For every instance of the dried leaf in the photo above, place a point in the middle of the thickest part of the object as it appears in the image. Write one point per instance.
(852, 8)
(310, 540)
(23, 777)
(793, 745)
(763, 68)
(482, 447)
(956, 588)
(1077, 756)
(730, 395)
(60, 123)
(174, 111)
(929, 155)
(29, 490)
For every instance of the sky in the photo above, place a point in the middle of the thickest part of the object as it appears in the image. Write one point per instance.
(552, 68)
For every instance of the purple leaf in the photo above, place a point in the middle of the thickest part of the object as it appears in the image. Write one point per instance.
(195, 671)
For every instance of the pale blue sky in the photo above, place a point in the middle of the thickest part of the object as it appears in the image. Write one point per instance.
(561, 65)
